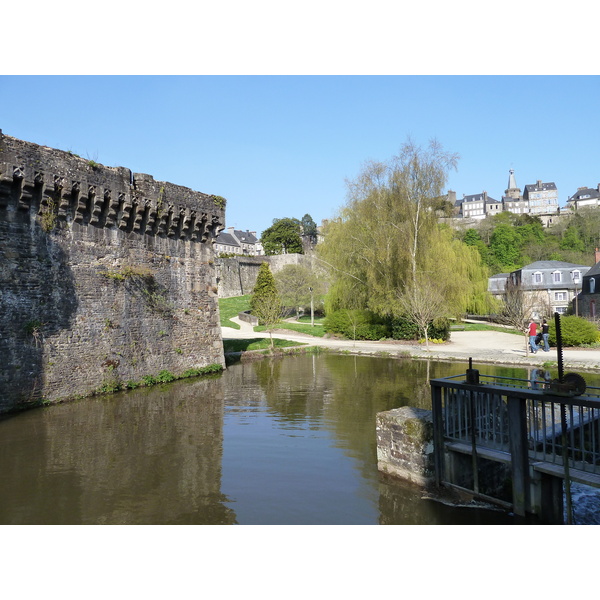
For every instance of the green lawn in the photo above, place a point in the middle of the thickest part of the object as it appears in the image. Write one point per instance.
(230, 307)
(483, 327)
(317, 330)
(256, 344)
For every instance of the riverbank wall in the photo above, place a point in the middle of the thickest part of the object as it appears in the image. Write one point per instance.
(106, 276)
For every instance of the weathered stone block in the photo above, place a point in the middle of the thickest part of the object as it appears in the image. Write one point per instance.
(405, 444)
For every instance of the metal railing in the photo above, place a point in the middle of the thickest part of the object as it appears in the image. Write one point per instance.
(481, 414)
(521, 423)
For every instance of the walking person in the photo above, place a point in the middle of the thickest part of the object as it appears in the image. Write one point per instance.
(532, 330)
(545, 335)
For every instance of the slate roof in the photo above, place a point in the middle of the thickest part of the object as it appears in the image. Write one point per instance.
(245, 236)
(477, 198)
(533, 187)
(226, 239)
(590, 192)
(595, 270)
(538, 265)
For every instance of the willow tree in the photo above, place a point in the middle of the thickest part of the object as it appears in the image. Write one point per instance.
(386, 241)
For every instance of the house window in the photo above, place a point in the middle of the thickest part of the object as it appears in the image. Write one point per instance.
(537, 277)
(560, 296)
(556, 276)
(576, 276)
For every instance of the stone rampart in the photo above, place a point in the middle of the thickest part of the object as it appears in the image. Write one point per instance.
(237, 275)
(106, 276)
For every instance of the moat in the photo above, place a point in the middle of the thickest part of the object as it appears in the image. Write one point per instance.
(277, 441)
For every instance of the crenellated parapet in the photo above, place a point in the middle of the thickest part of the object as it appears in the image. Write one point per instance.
(106, 276)
(60, 188)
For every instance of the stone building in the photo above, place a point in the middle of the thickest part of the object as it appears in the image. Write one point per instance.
(588, 300)
(541, 198)
(584, 197)
(233, 241)
(549, 285)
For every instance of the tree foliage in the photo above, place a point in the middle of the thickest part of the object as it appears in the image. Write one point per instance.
(294, 283)
(265, 302)
(283, 237)
(509, 241)
(386, 241)
(309, 227)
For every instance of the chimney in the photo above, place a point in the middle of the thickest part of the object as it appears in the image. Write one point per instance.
(597, 256)
(539, 183)
(485, 196)
(230, 230)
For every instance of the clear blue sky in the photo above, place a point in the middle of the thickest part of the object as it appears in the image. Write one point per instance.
(282, 146)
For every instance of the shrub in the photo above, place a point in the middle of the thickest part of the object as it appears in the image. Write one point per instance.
(356, 324)
(403, 329)
(575, 331)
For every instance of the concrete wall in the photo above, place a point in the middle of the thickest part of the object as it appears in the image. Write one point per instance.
(105, 276)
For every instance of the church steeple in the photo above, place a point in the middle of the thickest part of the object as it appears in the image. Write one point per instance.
(512, 191)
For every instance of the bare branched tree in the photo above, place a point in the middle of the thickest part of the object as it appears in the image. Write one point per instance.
(423, 302)
(517, 309)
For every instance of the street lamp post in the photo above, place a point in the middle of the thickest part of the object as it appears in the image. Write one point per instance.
(575, 278)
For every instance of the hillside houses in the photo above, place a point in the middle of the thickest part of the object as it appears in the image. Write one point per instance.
(538, 199)
(584, 197)
(243, 243)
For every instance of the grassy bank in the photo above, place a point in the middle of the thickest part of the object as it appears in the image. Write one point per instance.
(231, 307)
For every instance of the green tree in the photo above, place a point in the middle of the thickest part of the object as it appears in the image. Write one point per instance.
(283, 237)
(473, 238)
(309, 228)
(265, 302)
(505, 245)
(296, 285)
(571, 239)
(387, 239)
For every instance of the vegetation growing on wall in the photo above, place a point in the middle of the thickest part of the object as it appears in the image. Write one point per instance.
(219, 201)
(48, 216)
(142, 282)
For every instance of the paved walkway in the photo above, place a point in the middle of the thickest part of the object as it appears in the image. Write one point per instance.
(492, 347)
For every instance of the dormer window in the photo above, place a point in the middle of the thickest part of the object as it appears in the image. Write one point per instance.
(537, 277)
(556, 276)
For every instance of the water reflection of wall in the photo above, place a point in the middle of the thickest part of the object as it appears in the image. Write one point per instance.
(148, 456)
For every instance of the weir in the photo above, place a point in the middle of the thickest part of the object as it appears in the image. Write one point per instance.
(106, 276)
(498, 440)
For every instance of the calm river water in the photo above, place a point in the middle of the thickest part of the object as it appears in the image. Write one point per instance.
(277, 441)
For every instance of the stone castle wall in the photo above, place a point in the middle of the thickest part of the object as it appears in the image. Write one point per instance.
(106, 276)
(237, 275)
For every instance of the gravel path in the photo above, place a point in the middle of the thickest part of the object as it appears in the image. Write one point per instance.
(492, 347)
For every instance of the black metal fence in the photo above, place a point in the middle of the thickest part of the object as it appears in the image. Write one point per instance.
(523, 423)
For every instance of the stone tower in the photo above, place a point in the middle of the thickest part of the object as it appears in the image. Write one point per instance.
(512, 192)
